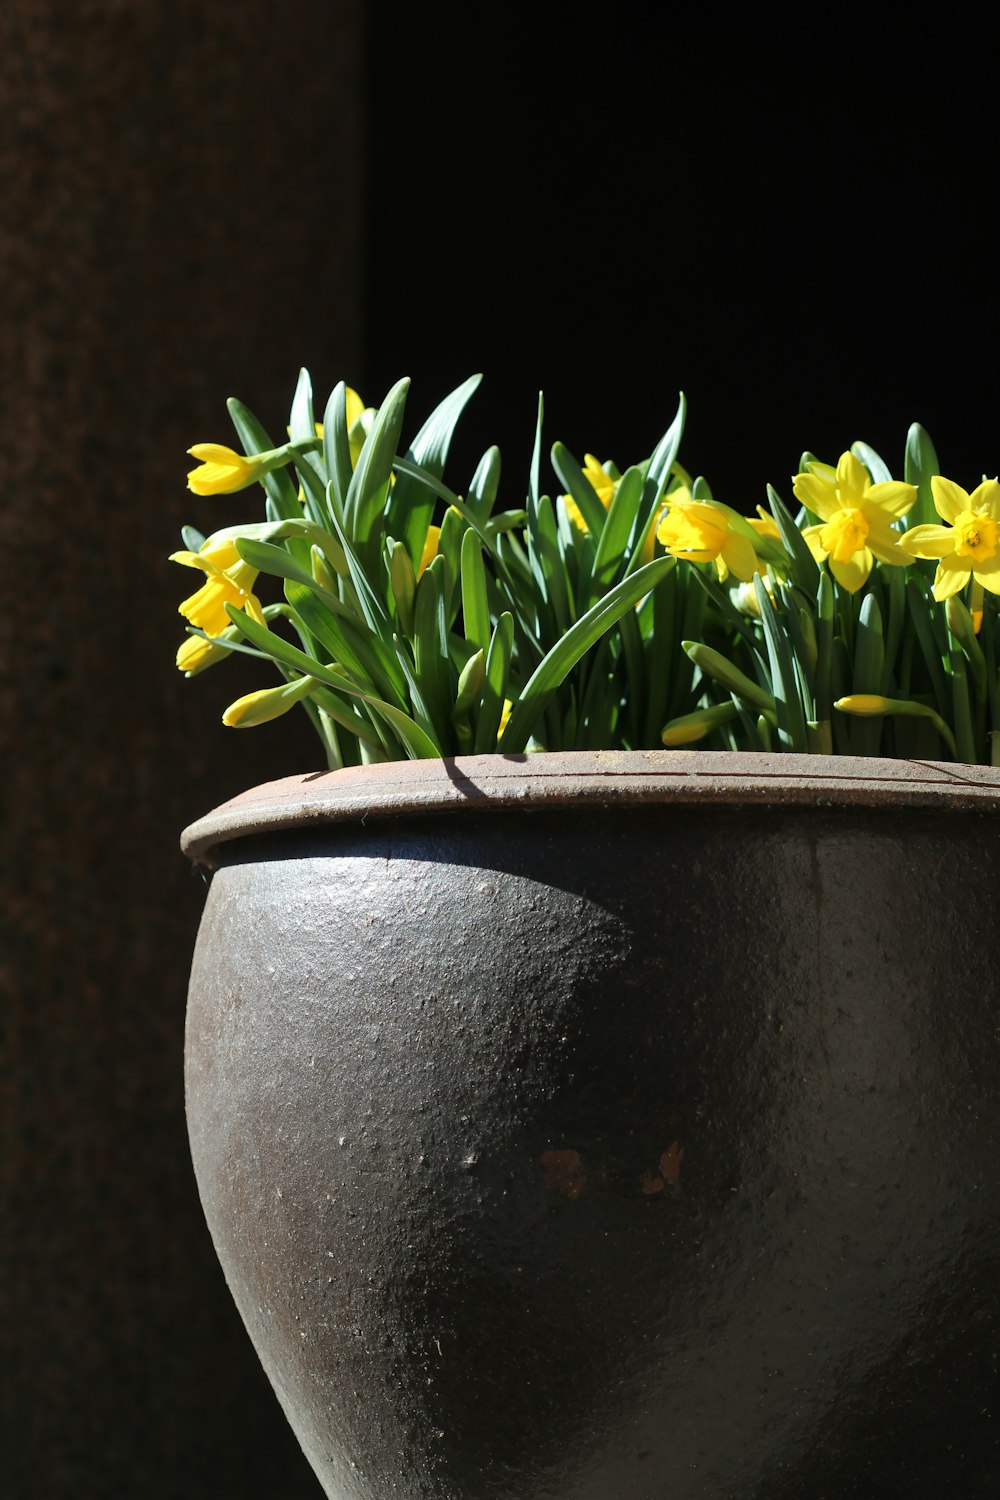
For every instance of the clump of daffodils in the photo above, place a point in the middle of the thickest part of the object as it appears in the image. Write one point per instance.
(608, 609)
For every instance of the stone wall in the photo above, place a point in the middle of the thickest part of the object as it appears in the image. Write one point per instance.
(180, 190)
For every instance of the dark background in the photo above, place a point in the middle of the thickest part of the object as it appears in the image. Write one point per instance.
(793, 221)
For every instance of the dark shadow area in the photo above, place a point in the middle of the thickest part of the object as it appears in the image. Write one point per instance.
(789, 218)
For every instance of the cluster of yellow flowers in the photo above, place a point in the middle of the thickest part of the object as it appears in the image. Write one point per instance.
(854, 522)
(856, 527)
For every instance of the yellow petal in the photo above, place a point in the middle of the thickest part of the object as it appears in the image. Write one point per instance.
(739, 556)
(986, 497)
(206, 609)
(574, 512)
(252, 606)
(893, 497)
(884, 542)
(988, 575)
(949, 498)
(186, 559)
(355, 407)
(852, 478)
(928, 541)
(952, 574)
(816, 494)
(765, 525)
(853, 575)
(812, 536)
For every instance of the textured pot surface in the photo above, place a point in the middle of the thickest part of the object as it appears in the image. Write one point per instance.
(611, 1127)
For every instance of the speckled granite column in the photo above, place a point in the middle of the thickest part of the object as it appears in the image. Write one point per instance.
(180, 189)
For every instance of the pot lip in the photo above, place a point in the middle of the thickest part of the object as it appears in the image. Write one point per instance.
(575, 778)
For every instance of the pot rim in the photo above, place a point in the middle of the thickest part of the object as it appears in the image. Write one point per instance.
(574, 778)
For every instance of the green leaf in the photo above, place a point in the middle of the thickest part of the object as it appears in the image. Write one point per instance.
(453, 529)
(964, 634)
(418, 744)
(619, 527)
(475, 602)
(277, 563)
(403, 583)
(536, 457)
(791, 724)
(363, 656)
(495, 685)
(411, 501)
(575, 482)
(657, 477)
(485, 484)
(920, 614)
(432, 660)
(713, 664)
(805, 571)
(337, 449)
(302, 429)
(869, 649)
(551, 672)
(920, 466)
(365, 497)
(470, 684)
(368, 601)
(192, 538)
(824, 647)
(876, 466)
(279, 489)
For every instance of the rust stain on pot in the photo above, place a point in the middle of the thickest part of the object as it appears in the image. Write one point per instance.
(670, 1171)
(670, 1163)
(562, 1172)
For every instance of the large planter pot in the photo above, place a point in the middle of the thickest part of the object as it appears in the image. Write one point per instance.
(610, 1126)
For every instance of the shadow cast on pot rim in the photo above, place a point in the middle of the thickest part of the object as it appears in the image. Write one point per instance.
(588, 778)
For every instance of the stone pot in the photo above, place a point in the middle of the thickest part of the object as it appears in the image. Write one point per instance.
(611, 1126)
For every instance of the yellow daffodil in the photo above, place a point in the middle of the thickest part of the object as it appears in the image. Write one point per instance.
(603, 485)
(856, 518)
(765, 525)
(968, 545)
(222, 471)
(228, 580)
(704, 531)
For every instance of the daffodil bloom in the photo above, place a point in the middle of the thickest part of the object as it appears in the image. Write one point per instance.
(704, 531)
(765, 525)
(228, 580)
(968, 546)
(856, 518)
(222, 471)
(601, 482)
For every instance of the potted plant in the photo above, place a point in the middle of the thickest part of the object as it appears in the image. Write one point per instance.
(578, 1112)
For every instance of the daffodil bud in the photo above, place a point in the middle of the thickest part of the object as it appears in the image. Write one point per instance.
(267, 703)
(690, 728)
(713, 664)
